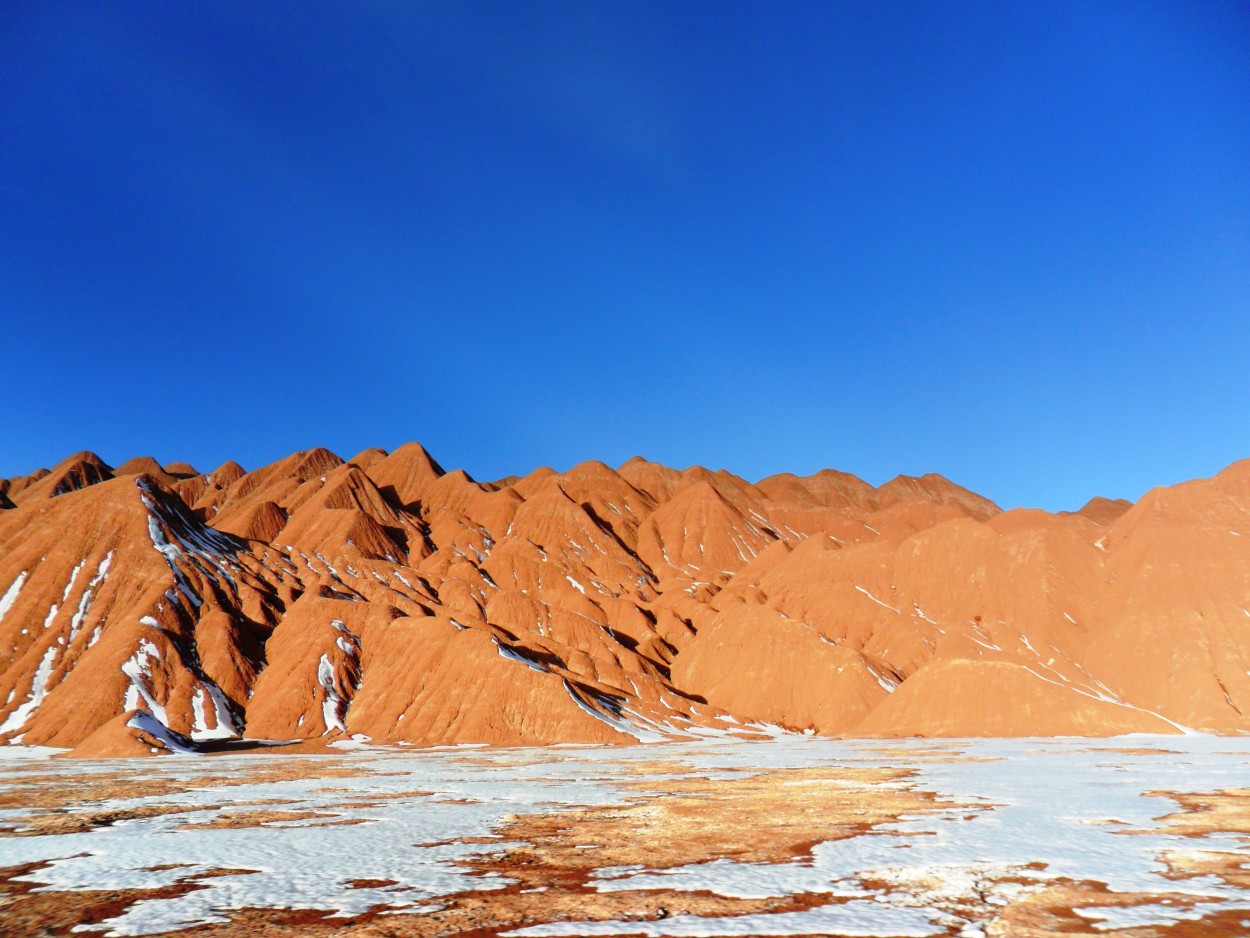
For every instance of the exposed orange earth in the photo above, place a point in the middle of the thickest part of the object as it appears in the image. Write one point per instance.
(144, 608)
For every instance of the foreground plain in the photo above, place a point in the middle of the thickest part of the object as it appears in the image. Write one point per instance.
(1136, 836)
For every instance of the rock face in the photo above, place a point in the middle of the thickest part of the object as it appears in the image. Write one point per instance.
(153, 609)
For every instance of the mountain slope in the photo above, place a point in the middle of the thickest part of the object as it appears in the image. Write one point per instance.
(147, 607)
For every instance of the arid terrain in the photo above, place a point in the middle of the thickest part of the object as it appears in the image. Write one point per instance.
(398, 702)
(1143, 838)
(155, 608)
(576, 468)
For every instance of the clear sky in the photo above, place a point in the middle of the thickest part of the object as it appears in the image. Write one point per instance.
(1006, 242)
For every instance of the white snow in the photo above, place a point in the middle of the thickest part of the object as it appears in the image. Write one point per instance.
(172, 554)
(887, 681)
(52, 611)
(225, 723)
(75, 623)
(399, 576)
(637, 728)
(877, 601)
(920, 612)
(137, 668)
(334, 706)
(1106, 917)
(160, 542)
(199, 721)
(10, 595)
(1104, 695)
(1033, 812)
(333, 573)
(1022, 801)
(38, 690)
(72, 577)
(15, 750)
(200, 545)
(153, 727)
(513, 654)
(102, 570)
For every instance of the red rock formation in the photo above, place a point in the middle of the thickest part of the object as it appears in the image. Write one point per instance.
(183, 470)
(154, 608)
(70, 474)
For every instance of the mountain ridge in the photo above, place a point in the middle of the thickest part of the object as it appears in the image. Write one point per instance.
(316, 598)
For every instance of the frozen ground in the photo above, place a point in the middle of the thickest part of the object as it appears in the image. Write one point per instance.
(395, 832)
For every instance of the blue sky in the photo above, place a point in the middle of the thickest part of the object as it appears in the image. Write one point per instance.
(1006, 242)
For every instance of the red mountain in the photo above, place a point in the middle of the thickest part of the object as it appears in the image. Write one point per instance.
(384, 596)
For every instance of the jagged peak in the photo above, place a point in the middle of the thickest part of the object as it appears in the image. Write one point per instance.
(227, 473)
(368, 457)
(142, 465)
(934, 487)
(86, 457)
(1104, 510)
(532, 482)
(405, 474)
(316, 462)
(75, 472)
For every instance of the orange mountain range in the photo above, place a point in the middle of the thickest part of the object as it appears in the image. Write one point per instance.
(156, 608)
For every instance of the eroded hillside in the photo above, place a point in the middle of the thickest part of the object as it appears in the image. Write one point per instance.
(153, 607)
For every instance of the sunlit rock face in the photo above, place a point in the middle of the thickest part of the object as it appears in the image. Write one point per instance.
(157, 608)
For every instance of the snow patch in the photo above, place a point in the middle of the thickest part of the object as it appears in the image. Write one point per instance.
(877, 601)
(72, 577)
(10, 595)
(38, 690)
(147, 723)
(513, 654)
(138, 668)
(334, 706)
(1018, 802)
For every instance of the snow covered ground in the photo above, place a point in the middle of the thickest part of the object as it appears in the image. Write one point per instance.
(396, 831)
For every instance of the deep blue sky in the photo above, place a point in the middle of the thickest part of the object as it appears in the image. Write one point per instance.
(1007, 242)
